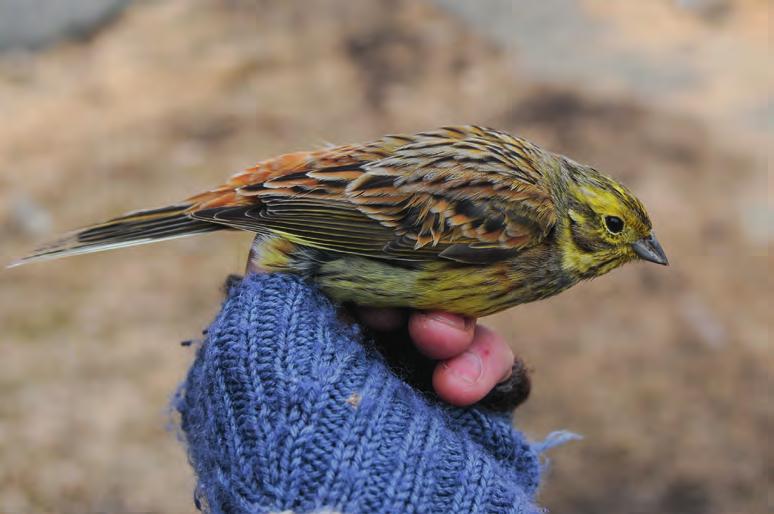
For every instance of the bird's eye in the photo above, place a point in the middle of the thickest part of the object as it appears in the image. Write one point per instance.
(614, 224)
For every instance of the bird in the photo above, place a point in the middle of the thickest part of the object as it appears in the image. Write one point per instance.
(464, 219)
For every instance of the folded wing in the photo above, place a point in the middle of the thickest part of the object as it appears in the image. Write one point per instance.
(467, 194)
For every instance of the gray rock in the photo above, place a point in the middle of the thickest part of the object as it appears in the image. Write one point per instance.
(32, 24)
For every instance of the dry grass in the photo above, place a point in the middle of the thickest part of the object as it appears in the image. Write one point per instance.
(664, 371)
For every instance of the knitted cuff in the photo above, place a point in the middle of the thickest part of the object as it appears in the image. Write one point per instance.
(285, 408)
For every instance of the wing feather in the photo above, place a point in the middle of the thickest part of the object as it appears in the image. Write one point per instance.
(462, 193)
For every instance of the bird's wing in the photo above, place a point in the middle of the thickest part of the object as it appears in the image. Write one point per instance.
(468, 194)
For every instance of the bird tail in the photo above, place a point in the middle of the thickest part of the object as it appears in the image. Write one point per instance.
(134, 228)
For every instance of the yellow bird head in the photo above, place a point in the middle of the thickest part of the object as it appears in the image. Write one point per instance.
(605, 226)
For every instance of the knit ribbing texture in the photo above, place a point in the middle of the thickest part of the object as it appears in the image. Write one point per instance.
(287, 407)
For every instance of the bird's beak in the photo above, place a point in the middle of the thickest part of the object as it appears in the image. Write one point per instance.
(649, 249)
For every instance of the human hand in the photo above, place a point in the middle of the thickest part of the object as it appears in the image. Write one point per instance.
(471, 359)
(470, 362)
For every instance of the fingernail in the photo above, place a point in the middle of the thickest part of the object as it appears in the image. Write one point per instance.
(452, 320)
(468, 367)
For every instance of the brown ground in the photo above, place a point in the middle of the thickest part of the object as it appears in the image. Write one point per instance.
(666, 372)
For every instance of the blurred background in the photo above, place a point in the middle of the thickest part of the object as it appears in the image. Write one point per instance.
(114, 105)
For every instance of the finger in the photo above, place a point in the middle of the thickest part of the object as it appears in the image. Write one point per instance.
(441, 335)
(468, 377)
(382, 320)
(511, 392)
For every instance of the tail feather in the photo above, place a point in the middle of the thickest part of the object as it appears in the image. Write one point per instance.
(134, 228)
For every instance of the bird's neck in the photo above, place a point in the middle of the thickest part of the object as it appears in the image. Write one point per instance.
(575, 260)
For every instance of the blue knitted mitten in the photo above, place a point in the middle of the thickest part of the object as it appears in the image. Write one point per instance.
(287, 407)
